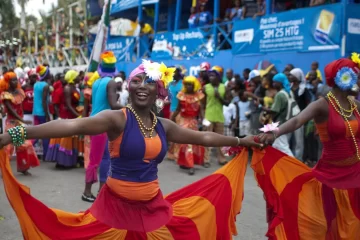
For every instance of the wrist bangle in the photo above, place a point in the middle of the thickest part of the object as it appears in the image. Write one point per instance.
(238, 141)
(274, 133)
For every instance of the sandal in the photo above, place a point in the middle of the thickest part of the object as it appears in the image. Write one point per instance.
(90, 199)
(191, 171)
(206, 165)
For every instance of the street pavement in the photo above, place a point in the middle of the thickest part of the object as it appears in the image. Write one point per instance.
(62, 189)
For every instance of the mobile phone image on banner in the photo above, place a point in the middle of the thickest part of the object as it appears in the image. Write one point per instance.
(323, 26)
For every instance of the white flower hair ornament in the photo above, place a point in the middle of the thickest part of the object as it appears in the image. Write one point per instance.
(271, 127)
(157, 71)
(346, 78)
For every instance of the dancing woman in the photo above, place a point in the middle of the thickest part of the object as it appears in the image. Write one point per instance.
(319, 203)
(131, 205)
(13, 98)
(189, 112)
(65, 150)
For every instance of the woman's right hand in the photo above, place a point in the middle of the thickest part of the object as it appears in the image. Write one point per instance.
(266, 138)
(5, 139)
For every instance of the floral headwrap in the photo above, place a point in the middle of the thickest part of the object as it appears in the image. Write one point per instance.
(155, 71)
(70, 76)
(343, 72)
(193, 80)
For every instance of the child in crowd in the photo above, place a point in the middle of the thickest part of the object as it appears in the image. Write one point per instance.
(242, 115)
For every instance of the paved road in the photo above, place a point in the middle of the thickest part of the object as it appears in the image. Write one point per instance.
(62, 189)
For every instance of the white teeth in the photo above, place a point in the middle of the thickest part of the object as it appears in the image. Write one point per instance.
(142, 94)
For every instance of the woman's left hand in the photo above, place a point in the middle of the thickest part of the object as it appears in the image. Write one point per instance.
(250, 142)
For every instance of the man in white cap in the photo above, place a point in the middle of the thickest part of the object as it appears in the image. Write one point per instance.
(123, 94)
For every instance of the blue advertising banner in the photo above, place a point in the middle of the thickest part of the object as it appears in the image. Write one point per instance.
(352, 28)
(184, 44)
(121, 5)
(310, 29)
(123, 48)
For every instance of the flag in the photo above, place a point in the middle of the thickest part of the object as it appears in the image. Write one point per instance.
(101, 37)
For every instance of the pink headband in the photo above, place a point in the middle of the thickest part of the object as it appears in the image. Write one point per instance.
(140, 69)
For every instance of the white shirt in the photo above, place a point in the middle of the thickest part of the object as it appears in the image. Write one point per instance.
(124, 97)
(229, 113)
(244, 107)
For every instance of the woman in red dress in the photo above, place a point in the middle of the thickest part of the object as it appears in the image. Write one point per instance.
(323, 202)
(190, 112)
(29, 92)
(12, 99)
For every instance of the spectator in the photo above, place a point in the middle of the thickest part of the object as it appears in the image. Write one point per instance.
(255, 79)
(238, 12)
(288, 68)
(316, 85)
(246, 73)
(194, 18)
(261, 8)
(229, 77)
(205, 17)
(314, 3)
(203, 74)
(279, 110)
(146, 28)
(315, 67)
(242, 115)
(214, 117)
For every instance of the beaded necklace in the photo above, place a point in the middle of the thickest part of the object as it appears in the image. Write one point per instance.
(340, 110)
(142, 126)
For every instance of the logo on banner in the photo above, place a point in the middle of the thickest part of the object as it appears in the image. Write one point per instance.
(246, 35)
(354, 25)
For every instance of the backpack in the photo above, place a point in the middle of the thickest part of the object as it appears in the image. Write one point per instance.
(293, 108)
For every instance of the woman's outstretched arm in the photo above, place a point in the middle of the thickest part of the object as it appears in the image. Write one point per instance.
(316, 110)
(106, 121)
(177, 134)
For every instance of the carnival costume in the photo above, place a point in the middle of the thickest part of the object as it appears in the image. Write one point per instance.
(131, 205)
(323, 202)
(64, 151)
(188, 118)
(25, 153)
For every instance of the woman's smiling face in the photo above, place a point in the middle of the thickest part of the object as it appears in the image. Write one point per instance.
(142, 91)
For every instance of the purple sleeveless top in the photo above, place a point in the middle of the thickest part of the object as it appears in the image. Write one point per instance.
(130, 165)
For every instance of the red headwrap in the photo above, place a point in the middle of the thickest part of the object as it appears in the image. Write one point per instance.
(4, 83)
(332, 69)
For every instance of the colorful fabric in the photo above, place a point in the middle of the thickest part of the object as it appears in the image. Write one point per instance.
(202, 210)
(28, 102)
(86, 151)
(42, 71)
(64, 151)
(214, 108)
(16, 101)
(107, 66)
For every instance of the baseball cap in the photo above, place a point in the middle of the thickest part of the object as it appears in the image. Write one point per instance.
(254, 74)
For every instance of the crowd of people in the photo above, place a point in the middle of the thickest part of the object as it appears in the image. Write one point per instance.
(128, 140)
(222, 102)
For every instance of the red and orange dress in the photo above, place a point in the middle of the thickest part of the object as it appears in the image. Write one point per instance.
(87, 96)
(64, 151)
(318, 203)
(25, 154)
(189, 113)
(131, 206)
